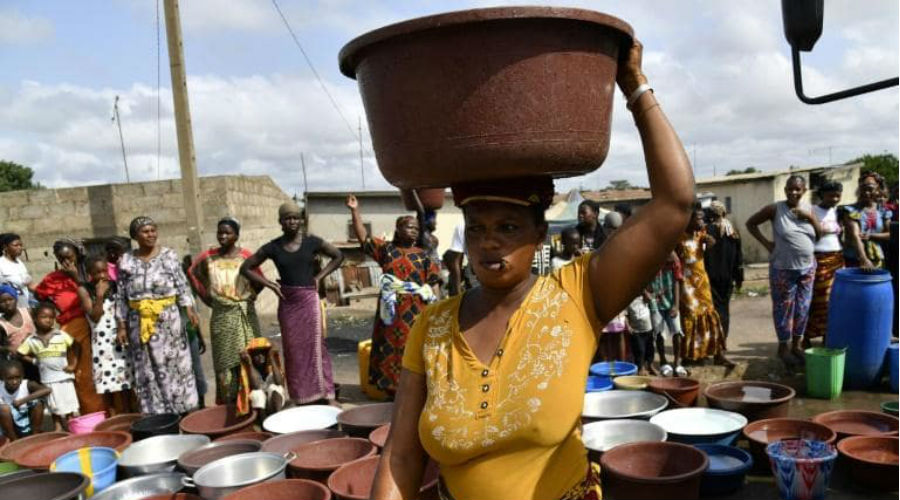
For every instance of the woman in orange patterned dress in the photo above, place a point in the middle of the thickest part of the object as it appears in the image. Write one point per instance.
(703, 333)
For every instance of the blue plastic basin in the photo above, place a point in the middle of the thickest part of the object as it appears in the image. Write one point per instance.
(728, 465)
(598, 384)
(610, 369)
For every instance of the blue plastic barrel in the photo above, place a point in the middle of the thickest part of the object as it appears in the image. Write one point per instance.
(893, 367)
(860, 318)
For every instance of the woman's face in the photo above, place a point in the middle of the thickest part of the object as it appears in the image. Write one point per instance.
(407, 230)
(586, 215)
(146, 236)
(7, 305)
(290, 223)
(869, 190)
(501, 240)
(226, 236)
(14, 249)
(794, 191)
(66, 255)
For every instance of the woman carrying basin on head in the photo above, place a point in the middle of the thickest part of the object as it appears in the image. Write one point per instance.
(493, 380)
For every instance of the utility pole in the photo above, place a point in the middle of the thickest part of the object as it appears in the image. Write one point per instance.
(121, 138)
(303, 167)
(362, 171)
(190, 184)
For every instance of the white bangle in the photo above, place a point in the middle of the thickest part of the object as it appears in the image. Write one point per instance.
(638, 92)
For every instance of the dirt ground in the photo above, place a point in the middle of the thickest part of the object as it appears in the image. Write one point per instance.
(751, 344)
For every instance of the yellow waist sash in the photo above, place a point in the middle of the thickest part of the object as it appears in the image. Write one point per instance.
(149, 311)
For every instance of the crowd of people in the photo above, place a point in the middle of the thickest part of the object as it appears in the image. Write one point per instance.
(488, 383)
(810, 244)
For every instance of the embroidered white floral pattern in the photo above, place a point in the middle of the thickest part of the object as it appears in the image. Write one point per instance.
(541, 358)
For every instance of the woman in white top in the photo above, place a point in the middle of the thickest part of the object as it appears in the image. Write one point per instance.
(12, 269)
(829, 258)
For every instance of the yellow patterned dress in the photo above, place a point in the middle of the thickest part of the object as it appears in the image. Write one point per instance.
(510, 428)
(703, 333)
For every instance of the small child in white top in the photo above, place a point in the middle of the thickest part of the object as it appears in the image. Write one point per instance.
(56, 355)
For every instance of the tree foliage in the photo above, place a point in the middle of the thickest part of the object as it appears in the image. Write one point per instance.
(14, 177)
(884, 164)
(748, 170)
(620, 185)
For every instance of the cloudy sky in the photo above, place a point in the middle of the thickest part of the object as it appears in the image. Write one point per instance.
(722, 71)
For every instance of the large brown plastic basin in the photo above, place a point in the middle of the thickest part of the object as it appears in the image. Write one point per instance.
(260, 436)
(848, 423)
(13, 449)
(872, 461)
(290, 442)
(353, 481)
(656, 470)
(120, 422)
(763, 432)
(317, 460)
(680, 391)
(362, 420)
(379, 436)
(217, 421)
(489, 93)
(287, 489)
(753, 399)
(42, 455)
(432, 199)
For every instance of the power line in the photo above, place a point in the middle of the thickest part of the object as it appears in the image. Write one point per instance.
(158, 98)
(314, 72)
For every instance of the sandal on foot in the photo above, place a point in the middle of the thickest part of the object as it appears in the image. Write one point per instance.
(667, 370)
(680, 371)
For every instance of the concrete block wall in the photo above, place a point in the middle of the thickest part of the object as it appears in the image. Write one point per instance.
(44, 216)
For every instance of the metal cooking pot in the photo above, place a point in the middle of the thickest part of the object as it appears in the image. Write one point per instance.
(622, 404)
(227, 475)
(157, 453)
(162, 483)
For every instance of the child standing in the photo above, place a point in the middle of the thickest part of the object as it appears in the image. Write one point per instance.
(665, 294)
(195, 339)
(641, 327)
(56, 355)
(571, 248)
(21, 408)
(113, 377)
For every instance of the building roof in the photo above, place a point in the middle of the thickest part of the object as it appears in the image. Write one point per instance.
(771, 173)
(610, 195)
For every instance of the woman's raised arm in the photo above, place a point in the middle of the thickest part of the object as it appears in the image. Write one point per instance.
(629, 259)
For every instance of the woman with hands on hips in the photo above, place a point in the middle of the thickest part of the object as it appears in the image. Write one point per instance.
(307, 365)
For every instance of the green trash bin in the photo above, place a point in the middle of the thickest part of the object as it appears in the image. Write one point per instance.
(824, 372)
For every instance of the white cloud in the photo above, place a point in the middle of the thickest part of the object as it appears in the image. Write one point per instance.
(19, 29)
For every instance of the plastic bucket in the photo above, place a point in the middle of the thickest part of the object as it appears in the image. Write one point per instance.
(86, 423)
(802, 467)
(892, 364)
(364, 352)
(98, 464)
(824, 372)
